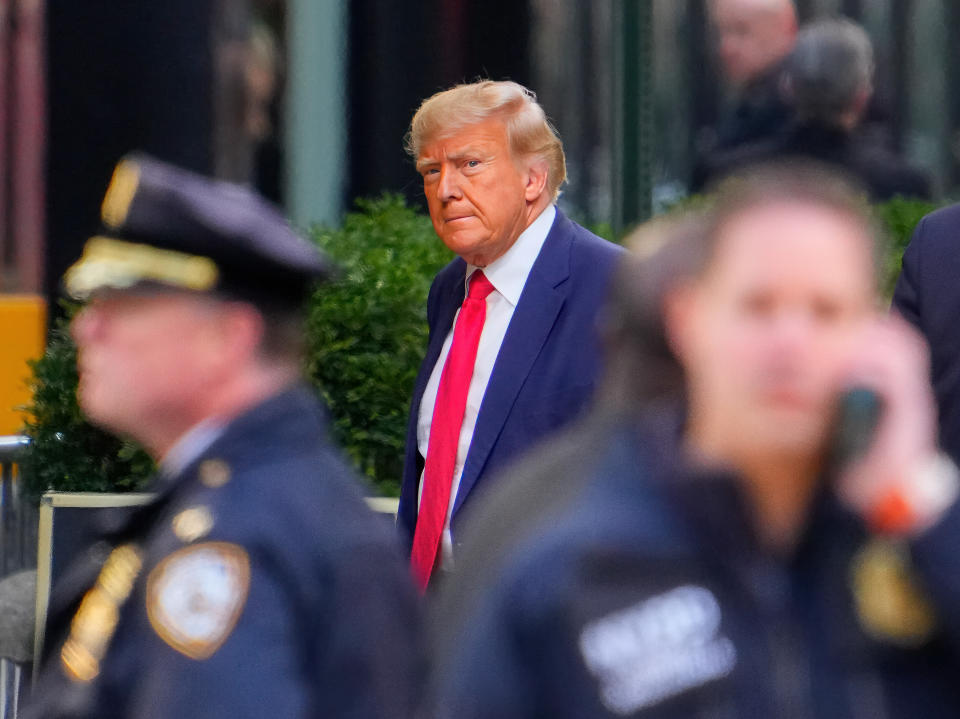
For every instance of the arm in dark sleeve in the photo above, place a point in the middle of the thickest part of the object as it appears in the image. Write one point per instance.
(481, 673)
(906, 294)
(937, 562)
(353, 653)
(372, 664)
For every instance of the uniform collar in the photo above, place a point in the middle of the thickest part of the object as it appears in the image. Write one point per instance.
(190, 446)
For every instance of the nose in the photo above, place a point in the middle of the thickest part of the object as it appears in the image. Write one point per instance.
(794, 331)
(448, 188)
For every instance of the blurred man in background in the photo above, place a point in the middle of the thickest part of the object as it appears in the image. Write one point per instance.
(762, 561)
(513, 353)
(754, 38)
(828, 83)
(256, 582)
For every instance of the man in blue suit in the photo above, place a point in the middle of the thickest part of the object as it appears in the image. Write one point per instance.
(927, 296)
(519, 358)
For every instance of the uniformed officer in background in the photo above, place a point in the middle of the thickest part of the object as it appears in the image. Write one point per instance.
(256, 583)
(760, 557)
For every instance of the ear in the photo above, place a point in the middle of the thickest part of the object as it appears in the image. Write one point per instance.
(679, 311)
(241, 329)
(536, 177)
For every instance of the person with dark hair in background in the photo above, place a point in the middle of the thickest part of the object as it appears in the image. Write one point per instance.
(513, 353)
(828, 83)
(761, 557)
(256, 582)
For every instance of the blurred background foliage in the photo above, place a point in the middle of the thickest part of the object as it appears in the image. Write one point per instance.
(367, 333)
(366, 337)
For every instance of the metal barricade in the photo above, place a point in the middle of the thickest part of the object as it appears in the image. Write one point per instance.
(18, 516)
(18, 550)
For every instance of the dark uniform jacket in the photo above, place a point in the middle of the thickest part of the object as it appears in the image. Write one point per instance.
(257, 584)
(928, 295)
(649, 596)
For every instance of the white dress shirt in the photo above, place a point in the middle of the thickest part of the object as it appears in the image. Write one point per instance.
(508, 275)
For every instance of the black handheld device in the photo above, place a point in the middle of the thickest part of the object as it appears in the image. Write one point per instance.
(857, 416)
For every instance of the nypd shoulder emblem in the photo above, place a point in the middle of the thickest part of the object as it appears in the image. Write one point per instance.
(195, 596)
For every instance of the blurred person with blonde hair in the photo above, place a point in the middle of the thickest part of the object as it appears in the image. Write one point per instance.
(783, 544)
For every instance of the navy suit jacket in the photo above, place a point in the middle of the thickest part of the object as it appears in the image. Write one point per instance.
(928, 295)
(547, 366)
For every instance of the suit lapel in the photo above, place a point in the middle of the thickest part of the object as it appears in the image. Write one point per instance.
(534, 317)
(449, 300)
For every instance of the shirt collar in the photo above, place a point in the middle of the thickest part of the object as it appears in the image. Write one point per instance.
(508, 273)
(190, 446)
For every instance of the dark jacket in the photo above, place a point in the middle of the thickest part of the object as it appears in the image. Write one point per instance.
(547, 366)
(872, 164)
(928, 295)
(759, 114)
(648, 595)
(328, 627)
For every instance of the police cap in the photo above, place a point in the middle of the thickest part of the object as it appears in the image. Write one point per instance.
(163, 225)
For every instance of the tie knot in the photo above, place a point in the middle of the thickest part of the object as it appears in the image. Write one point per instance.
(480, 286)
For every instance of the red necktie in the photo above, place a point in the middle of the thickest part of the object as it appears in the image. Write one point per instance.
(445, 429)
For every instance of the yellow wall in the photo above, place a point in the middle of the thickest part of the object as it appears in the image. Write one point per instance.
(22, 337)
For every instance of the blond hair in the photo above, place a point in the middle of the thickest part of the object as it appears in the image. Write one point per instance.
(528, 130)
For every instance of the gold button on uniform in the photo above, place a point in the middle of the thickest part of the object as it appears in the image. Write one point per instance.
(214, 473)
(192, 524)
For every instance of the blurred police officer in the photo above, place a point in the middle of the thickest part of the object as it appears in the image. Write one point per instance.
(750, 564)
(256, 583)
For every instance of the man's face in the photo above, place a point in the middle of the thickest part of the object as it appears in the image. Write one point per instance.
(771, 324)
(752, 35)
(143, 358)
(479, 195)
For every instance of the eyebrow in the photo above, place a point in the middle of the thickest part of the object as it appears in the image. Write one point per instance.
(480, 150)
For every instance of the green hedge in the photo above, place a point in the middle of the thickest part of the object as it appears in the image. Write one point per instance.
(368, 332)
(67, 453)
(366, 336)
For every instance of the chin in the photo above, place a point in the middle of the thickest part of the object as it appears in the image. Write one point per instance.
(796, 439)
(461, 246)
(792, 431)
(97, 409)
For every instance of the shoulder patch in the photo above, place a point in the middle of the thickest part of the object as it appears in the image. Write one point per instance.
(195, 596)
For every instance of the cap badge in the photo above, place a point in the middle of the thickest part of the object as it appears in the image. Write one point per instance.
(123, 186)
